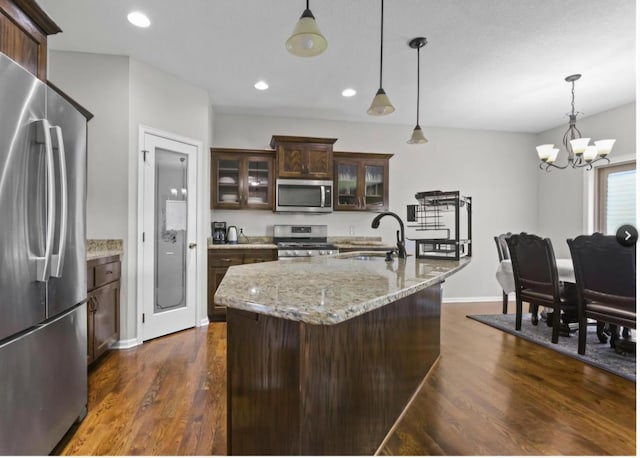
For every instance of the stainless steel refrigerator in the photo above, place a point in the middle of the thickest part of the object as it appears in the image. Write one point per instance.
(43, 284)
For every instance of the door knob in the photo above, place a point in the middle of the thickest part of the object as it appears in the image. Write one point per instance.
(192, 245)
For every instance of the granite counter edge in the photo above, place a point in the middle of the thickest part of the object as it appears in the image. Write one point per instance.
(336, 318)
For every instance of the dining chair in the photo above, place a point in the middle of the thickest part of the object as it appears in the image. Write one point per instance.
(606, 283)
(536, 279)
(503, 253)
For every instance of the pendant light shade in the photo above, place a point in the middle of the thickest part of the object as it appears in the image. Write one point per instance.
(306, 39)
(381, 104)
(417, 136)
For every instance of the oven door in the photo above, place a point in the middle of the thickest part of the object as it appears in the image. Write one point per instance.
(309, 196)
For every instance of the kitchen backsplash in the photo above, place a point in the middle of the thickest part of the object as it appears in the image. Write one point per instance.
(260, 223)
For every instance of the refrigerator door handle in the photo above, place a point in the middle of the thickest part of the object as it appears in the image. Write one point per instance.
(57, 259)
(42, 263)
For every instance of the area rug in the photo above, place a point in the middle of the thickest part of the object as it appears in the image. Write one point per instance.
(597, 354)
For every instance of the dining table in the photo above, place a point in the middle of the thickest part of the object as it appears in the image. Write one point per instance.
(504, 273)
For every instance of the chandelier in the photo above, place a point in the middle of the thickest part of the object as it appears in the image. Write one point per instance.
(579, 152)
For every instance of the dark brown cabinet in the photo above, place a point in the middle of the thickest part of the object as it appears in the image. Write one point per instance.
(304, 157)
(242, 179)
(219, 260)
(361, 181)
(103, 305)
(24, 27)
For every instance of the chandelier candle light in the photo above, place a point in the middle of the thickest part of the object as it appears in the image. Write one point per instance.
(381, 104)
(417, 136)
(306, 39)
(580, 153)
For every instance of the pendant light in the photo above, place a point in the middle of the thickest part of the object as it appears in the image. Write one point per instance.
(306, 39)
(381, 104)
(417, 136)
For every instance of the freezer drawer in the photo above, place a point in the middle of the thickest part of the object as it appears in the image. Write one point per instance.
(44, 384)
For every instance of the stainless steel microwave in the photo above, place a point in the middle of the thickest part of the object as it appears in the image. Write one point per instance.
(312, 196)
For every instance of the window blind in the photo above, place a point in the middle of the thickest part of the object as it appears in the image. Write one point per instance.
(621, 200)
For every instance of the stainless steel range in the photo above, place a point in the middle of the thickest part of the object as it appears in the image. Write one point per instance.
(302, 241)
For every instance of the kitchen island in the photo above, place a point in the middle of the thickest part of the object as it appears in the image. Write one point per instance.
(324, 353)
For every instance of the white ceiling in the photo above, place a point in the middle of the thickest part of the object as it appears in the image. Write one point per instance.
(489, 64)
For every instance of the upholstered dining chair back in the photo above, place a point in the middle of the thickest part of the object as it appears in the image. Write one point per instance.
(501, 245)
(606, 281)
(536, 278)
(534, 265)
(603, 266)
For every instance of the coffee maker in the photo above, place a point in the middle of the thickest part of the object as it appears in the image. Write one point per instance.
(219, 232)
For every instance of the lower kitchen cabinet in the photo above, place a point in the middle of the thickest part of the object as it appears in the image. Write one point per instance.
(103, 305)
(219, 260)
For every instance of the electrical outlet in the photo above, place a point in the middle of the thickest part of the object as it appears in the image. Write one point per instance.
(352, 230)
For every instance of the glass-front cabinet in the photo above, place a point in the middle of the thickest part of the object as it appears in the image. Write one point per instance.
(361, 181)
(241, 179)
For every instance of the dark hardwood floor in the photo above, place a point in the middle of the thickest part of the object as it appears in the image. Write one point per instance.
(489, 394)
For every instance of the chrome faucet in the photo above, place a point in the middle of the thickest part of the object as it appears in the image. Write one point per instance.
(402, 252)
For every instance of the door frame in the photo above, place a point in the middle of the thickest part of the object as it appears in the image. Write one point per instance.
(142, 131)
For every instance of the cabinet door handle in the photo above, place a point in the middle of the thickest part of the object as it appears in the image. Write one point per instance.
(108, 272)
(192, 245)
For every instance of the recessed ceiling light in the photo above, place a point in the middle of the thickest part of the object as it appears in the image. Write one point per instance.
(349, 92)
(261, 86)
(138, 19)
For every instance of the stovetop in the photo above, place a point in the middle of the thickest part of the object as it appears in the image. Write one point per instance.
(307, 245)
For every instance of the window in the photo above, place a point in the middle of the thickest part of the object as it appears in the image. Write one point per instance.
(615, 197)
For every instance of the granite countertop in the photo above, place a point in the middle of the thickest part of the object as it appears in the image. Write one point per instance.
(365, 245)
(360, 242)
(329, 289)
(245, 242)
(102, 248)
(235, 246)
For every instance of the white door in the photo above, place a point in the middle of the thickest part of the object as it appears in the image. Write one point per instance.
(168, 254)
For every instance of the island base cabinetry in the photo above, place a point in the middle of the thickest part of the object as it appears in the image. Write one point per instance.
(301, 389)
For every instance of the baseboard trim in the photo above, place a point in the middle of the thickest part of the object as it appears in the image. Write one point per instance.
(123, 344)
(203, 322)
(449, 300)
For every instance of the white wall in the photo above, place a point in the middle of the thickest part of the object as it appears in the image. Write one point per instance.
(496, 169)
(123, 93)
(100, 83)
(562, 194)
(162, 101)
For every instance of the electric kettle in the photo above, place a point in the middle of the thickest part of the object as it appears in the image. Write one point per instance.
(232, 234)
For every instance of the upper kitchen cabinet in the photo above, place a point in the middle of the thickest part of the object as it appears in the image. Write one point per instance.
(304, 157)
(24, 27)
(361, 181)
(242, 179)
